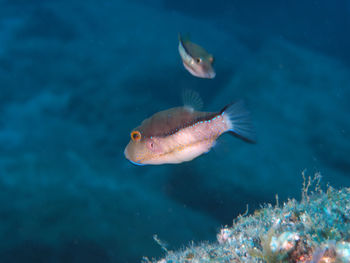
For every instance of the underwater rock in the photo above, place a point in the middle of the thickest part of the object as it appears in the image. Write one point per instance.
(316, 229)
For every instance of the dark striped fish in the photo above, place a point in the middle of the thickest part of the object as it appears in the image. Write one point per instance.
(181, 134)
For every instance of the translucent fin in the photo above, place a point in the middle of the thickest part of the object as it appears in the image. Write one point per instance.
(241, 125)
(191, 99)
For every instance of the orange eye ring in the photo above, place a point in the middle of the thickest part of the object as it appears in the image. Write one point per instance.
(135, 136)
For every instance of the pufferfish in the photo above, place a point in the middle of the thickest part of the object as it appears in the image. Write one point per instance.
(196, 59)
(181, 134)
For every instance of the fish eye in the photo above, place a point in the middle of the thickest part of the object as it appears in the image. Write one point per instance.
(135, 136)
(198, 60)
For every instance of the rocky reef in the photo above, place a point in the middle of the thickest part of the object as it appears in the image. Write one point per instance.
(313, 230)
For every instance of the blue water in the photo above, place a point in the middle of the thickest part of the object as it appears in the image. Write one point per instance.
(77, 76)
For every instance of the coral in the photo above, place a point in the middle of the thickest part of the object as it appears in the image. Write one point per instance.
(313, 230)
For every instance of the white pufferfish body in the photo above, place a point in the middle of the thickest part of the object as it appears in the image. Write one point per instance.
(181, 134)
(189, 142)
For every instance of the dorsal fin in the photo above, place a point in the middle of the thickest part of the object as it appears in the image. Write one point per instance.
(191, 99)
(184, 38)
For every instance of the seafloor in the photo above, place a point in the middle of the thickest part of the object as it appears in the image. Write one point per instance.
(77, 76)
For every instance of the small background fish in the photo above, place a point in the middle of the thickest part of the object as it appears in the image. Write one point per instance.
(181, 134)
(196, 59)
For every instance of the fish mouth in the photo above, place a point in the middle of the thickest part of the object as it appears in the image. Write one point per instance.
(129, 159)
(200, 73)
(211, 74)
(135, 163)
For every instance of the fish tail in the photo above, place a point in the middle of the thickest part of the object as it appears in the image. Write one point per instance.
(240, 124)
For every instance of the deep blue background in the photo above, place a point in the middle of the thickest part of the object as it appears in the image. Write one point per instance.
(77, 76)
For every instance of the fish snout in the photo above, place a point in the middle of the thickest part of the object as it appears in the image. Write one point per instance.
(207, 71)
(126, 153)
(130, 155)
(211, 74)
